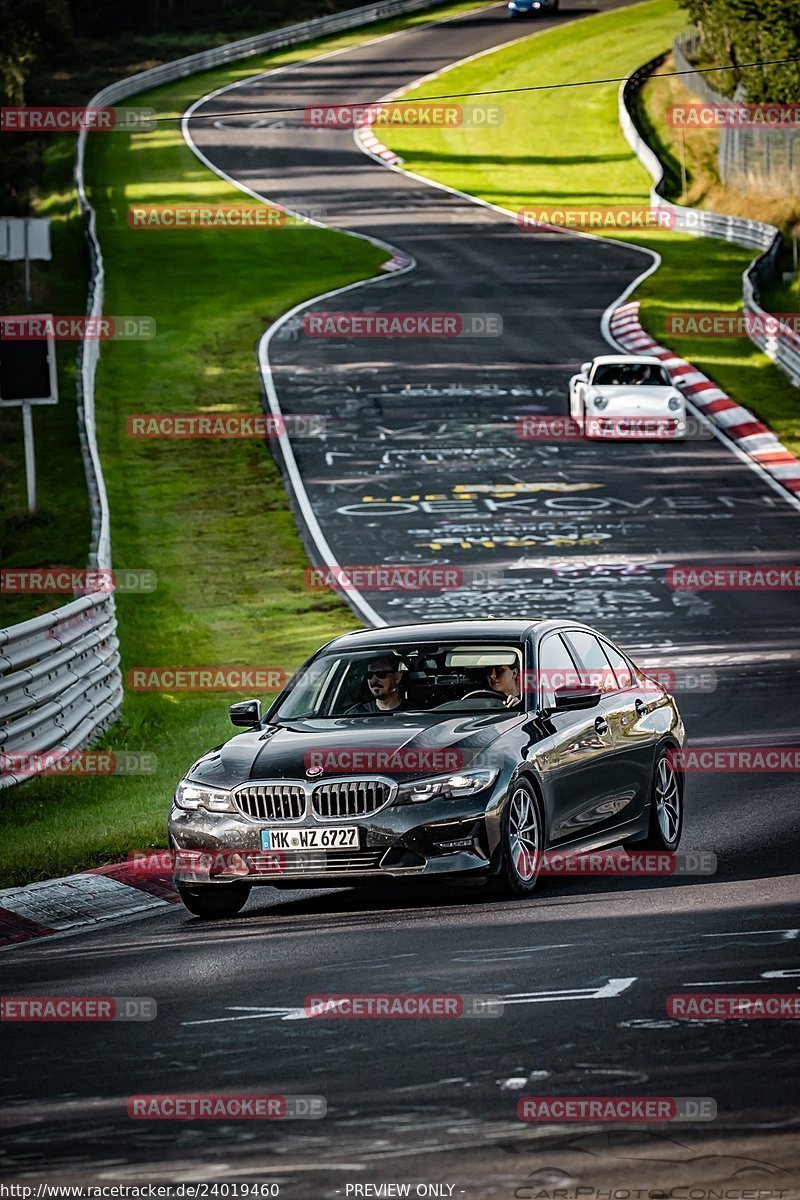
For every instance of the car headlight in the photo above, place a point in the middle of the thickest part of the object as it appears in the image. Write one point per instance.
(447, 787)
(675, 402)
(194, 795)
(599, 401)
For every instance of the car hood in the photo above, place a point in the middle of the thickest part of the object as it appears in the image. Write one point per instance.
(635, 400)
(281, 752)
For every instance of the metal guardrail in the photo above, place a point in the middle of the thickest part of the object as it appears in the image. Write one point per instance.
(783, 346)
(60, 682)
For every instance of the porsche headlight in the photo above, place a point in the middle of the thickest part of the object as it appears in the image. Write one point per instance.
(599, 401)
(195, 795)
(674, 403)
(447, 787)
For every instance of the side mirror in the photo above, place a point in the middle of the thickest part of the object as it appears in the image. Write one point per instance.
(246, 714)
(585, 369)
(569, 698)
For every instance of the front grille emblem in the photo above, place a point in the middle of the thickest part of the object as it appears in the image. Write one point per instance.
(313, 772)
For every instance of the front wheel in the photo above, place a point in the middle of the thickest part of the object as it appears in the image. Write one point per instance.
(522, 840)
(666, 807)
(214, 901)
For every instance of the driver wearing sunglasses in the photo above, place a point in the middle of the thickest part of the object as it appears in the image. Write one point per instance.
(384, 679)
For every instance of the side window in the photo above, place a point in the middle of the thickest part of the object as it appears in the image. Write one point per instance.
(556, 669)
(596, 667)
(620, 665)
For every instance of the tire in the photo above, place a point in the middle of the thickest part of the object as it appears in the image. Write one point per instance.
(666, 807)
(214, 901)
(522, 840)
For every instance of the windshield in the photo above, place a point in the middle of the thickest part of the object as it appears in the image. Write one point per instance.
(630, 375)
(386, 680)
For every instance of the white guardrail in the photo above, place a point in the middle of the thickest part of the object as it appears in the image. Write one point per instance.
(782, 346)
(60, 680)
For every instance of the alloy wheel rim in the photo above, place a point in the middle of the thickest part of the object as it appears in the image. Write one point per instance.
(668, 801)
(523, 834)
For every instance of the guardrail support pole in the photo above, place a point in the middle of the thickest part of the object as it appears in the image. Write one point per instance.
(30, 458)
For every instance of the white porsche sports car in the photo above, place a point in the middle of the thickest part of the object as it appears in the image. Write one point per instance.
(627, 396)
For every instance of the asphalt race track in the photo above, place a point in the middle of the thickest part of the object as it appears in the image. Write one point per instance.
(422, 464)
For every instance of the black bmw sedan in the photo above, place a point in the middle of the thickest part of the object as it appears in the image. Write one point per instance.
(460, 749)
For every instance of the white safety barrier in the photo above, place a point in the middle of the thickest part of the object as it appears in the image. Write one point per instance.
(60, 682)
(782, 346)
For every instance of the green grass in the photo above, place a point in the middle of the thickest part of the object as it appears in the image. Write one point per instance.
(210, 517)
(564, 146)
(58, 532)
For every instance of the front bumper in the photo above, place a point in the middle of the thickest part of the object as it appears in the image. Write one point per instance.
(448, 838)
(635, 427)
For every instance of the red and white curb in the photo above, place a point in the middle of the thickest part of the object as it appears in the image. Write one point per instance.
(739, 424)
(58, 906)
(373, 146)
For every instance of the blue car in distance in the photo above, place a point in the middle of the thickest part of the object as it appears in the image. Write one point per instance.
(527, 8)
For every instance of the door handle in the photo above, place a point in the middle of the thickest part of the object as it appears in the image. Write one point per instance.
(641, 707)
(601, 725)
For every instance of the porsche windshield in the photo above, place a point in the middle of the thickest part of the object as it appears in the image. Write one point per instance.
(630, 375)
(386, 680)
